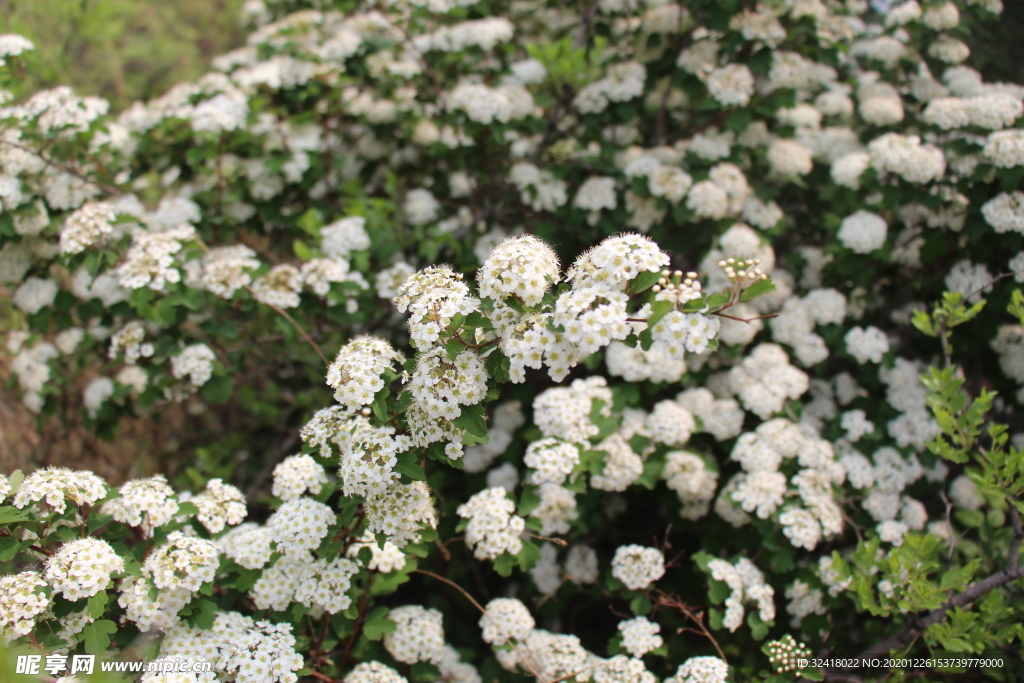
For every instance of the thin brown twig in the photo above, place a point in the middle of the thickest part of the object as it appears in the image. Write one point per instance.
(453, 585)
(111, 189)
(355, 628)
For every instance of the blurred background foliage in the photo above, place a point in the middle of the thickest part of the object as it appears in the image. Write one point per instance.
(123, 50)
(126, 50)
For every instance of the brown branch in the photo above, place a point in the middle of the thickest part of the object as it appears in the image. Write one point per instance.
(110, 189)
(453, 585)
(1018, 534)
(355, 628)
(936, 616)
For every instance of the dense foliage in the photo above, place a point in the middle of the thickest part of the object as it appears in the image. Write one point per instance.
(769, 408)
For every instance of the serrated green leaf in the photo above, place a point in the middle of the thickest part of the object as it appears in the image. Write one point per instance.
(377, 624)
(644, 281)
(759, 288)
(472, 420)
(408, 466)
(97, 636)
(10, 514)
(217, 390)
(98, 604)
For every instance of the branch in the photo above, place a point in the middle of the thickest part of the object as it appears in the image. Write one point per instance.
(936, 616)
(453, 585)
(109, 189)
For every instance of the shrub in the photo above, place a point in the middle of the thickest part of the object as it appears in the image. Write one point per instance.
(745, 425)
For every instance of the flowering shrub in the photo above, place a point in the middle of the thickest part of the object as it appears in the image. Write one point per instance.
(737, 429)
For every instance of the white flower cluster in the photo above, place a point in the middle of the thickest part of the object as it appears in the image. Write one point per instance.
(701, 670)
(400, 512)
(86, 227)
(21, 603)
(355, 374)
(195, 362)
(418, 635)
(506, 619)
(82, 568)
(55, 486)
(368, 459)
(637, 567)
(761, 488)
(747, 585)
(493, 526)
(522, 266)
(300, 524)
(297, 474)
(183, 562)
(239, 648)
(327, 585)
(433, 297)
(906, 393)
(765, 379)
(144, 503)
(866, 344)
(373, 672)
(640, 636)
(564, 412)
(150, 260)
(863, 232)
(693, 481)
(803, 601)
(219, 504)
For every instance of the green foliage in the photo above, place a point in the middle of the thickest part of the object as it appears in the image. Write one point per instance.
(123, 50)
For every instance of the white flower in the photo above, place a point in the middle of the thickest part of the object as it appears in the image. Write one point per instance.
(82, 568)
(863, 232)
(638, 567)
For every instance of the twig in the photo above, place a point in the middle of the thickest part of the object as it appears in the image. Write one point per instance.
(111, 189)
(355, 628)
(1018, 534)
(453, 585)
(936, 616)
(289, 318)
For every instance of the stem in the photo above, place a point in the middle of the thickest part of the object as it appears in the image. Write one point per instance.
(355, 629)
(70, 171)
(453, 585)
(289, 318)
(936, 616)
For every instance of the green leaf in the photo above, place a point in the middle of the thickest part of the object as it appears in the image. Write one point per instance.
(716, 301)
(812, 674)
(640, 605)
(504, 563)
(718, 591)
(651, 475)
(97, 636)
(528, 556)
(377, 624)
(759, 288)
(971, 518)
(98, 604)
(454, 347)
(408, 466)
(515, 304)
(302, 250)
(472, 420)
(218, 389)
(644, 281)
(9, 547)
(9, 514)
(529, 501)
(204, 613)
(659, 309)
